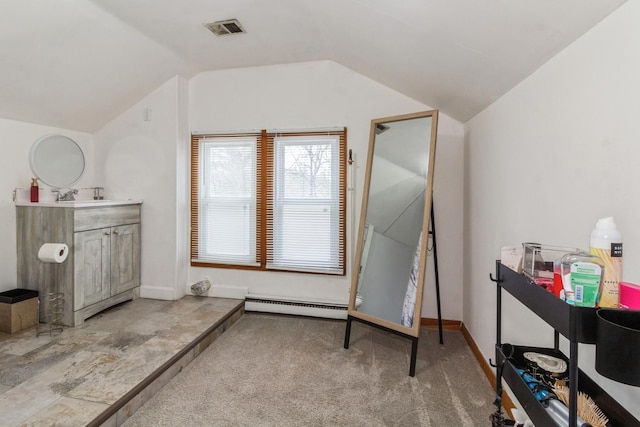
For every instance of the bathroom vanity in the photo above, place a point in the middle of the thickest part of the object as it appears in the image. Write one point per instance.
(103, 266)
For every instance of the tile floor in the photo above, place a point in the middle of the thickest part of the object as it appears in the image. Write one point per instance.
(101, 372)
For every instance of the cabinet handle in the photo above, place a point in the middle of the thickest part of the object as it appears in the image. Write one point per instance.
(106, 233)
(116, 232)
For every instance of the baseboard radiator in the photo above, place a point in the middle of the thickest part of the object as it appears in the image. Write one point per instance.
(268, 304)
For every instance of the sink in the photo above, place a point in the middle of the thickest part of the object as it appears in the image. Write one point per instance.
(91, 201)
(80, 203)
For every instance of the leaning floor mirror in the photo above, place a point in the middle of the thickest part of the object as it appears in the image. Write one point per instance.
(390, 258)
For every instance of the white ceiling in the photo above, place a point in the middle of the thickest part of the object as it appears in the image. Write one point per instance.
(77, 64)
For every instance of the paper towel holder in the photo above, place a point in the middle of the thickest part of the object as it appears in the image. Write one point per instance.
(52, 300)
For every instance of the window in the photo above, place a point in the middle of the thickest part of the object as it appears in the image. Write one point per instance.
(281, 210)
(227, 209)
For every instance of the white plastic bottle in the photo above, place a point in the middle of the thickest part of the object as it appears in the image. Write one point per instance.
(606, 243)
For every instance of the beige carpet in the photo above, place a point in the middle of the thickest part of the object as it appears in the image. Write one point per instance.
(272, 370)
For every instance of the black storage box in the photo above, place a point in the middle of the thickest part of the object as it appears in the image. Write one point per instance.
(18, 310)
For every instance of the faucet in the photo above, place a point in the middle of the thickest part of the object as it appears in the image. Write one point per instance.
(68, 196)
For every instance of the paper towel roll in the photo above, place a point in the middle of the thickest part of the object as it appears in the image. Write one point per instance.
(53, 252)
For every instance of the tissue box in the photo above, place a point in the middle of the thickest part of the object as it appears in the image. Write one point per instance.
(18, 310)
(511, 256)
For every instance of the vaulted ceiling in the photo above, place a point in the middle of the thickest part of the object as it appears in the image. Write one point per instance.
(77, 64)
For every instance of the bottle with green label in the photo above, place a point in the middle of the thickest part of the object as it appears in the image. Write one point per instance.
(582, 275)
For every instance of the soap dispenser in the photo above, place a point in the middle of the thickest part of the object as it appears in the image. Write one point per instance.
(34, 190)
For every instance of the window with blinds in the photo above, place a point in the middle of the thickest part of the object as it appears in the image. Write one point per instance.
(272, 201)
(224, 205)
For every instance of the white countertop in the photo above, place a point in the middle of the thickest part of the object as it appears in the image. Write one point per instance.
(80, 203)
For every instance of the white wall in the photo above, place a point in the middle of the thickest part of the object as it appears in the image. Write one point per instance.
(448, 190)
(183, 179)
(147, 159)
(16, 139)
(322, 94)
(544, 162)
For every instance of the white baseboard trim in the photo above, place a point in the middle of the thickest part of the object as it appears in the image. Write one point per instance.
(226, 291)
(154, 292)
(296, 306)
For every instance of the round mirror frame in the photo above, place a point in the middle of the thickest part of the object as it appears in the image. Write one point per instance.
(57, 160)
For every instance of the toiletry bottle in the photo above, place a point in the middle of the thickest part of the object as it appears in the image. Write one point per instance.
(582, 275)
(606, 243)
(34, 190)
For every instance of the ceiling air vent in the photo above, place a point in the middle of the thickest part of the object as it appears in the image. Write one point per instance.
(224, 28)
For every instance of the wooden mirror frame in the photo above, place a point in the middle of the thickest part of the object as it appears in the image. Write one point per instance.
(414, 330)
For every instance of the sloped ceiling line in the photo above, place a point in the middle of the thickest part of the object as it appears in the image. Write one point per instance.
(77, 64)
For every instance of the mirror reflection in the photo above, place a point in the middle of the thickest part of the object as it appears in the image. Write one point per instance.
(57, 160)
(388, 281)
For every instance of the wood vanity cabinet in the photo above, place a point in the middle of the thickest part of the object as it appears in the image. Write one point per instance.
(103, 266)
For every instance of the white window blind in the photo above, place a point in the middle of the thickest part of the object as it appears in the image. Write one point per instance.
(305, 209)
(268, 201)
(227, 208)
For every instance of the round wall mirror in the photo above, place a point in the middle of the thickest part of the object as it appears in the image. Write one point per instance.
(57, 160)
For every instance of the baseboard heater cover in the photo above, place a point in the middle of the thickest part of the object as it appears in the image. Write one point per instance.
(301, 308)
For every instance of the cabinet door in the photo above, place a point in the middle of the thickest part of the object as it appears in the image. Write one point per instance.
(92, 272)
(125, 258)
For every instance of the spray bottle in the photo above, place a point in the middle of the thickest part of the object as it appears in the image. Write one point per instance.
(606, 244)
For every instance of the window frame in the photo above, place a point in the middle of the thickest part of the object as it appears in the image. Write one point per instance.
(264, 193)
(208, 199)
